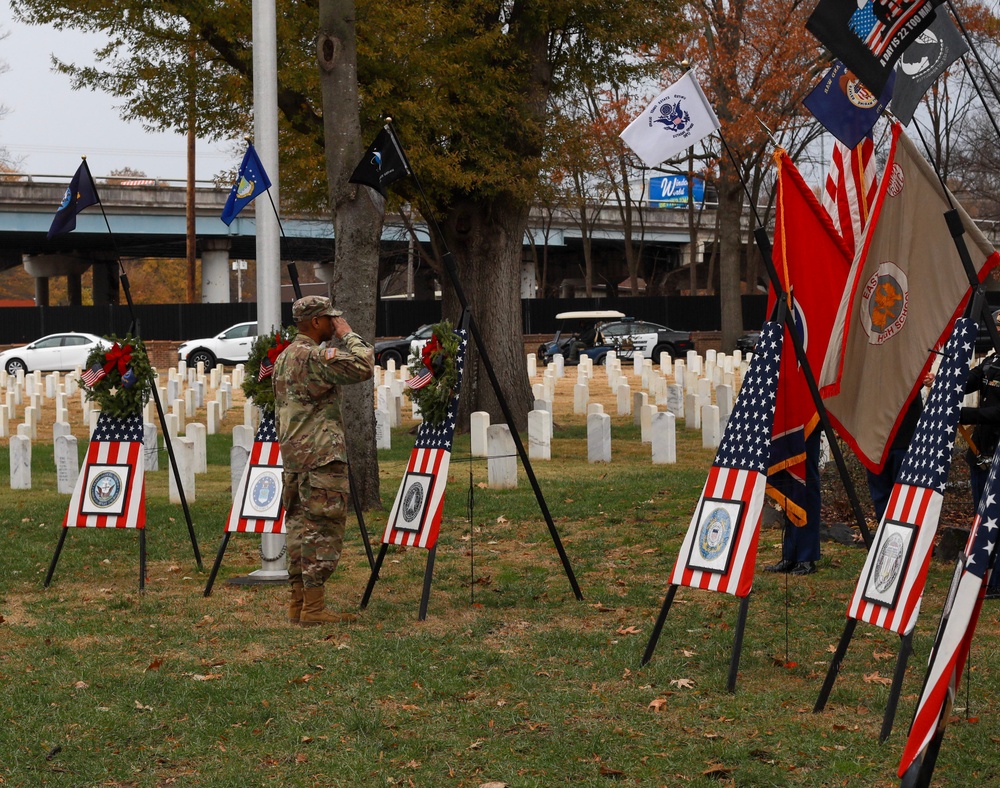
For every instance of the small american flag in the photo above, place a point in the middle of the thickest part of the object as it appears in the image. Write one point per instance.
(954, 636)
(92, 375)
(110, 491)
(415, 518)
(851, 186)
(720, 548)
(265, 452)
(266, 368)
(420, 380)
(892, 582)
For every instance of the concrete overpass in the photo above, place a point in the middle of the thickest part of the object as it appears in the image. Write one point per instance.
(147, 218)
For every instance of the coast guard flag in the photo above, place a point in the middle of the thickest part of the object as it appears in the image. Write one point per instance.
(870, 35)
(110, 491)
(251, 180)
(678, 118)
(415, 518)
(926, 59)
(845, 107)
(720, 548)
(811, 262)
(906, 287)
(892, 582)
(851, 186)
(383, 163)
(954, 637)
(257, 505)
(81, 193)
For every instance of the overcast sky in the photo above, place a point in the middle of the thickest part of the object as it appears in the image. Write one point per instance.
(49, 126)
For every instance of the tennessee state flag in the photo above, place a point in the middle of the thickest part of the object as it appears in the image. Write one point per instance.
(812, 262)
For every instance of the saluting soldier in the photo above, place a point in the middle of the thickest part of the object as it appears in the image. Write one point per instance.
(307, 382)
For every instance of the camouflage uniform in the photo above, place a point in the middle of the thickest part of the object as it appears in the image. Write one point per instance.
(307, 381)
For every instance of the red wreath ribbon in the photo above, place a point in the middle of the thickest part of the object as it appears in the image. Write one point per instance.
(279, 346)
(432, 348)
(118, 357)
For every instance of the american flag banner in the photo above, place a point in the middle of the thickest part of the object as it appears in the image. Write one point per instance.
(416, 514)
(720, 548)
(954, 636)
(110, 491)
(891, 584)
(266, 368)
(92, 375)
(421, 380)
(257, 505)
(851, 188)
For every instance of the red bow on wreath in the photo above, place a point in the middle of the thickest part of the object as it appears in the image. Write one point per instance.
(433, 356)
(118, 357)
(267, 364)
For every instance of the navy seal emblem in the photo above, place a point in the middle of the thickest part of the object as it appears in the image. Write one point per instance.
(105, 489)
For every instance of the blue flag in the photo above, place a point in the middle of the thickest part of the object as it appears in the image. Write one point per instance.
(250, 181)
(80, 193)
(845, 106)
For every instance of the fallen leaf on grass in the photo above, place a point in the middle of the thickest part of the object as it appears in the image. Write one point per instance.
(875, 678)
(883, 655)
(601, 608)
(206, 676)
(477, 744)
(301, 679)
(81, 685)
(305, 740)
(682, 683)
(717, 771)
(301, 757)
(628, 631)
(141, 707)
(494, 784)
(613, 774)
(658, 704)
(688, 653)
(155, 664)
(501, 520)
(831, 649)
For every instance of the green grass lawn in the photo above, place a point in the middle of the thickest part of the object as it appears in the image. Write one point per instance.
(510, 679)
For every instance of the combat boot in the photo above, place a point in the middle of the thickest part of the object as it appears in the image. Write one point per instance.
(314, 612)
(295, 599)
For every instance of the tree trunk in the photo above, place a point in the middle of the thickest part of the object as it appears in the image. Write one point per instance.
(357, 227)
(730, 238)
(485, 239)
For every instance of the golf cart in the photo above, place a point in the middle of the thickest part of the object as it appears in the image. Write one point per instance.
(579, 335)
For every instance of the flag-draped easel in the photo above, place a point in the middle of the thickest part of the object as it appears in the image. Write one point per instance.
(415, 518)
(388, 166)
(82, 193)
(890, 587)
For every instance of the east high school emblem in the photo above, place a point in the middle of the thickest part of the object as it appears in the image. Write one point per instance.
(884, 301)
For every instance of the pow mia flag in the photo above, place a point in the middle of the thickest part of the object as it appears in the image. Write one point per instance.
(926, 59)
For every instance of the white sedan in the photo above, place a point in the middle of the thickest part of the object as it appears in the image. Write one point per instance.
(56, 352)
(232, 346)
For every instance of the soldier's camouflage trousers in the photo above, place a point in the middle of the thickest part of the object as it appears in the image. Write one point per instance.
(315, 512)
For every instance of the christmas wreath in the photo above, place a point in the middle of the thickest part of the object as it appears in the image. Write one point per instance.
(260, 366)
(119, 378)
(435, 374)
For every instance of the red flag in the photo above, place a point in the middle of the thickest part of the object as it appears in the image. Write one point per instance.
(813, 264)
(906, 287)
(851, 186)
(720, 548)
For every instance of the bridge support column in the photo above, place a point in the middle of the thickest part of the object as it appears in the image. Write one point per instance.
(105, 288)
(41, 291)
(529, 284)
(74, 289)
(215, 271)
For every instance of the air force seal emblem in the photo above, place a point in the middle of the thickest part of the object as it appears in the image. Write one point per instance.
(264, 492)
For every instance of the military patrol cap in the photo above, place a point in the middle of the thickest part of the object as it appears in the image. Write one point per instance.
(312, 306)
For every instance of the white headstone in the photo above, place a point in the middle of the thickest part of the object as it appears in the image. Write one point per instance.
(639, 399)
(249, 415)
(383, 395)
(598, 437)
(646, 413)
(31, 414)
(581, 394)
(390, 367)
(67, 463)
(501, 467)
(539, 435)
(532, 365)
(199, 393)
(196, 433)
(243, 436)
(239, 456)
(214, 417)
(4, 421)
(173, 389)
(595, 407)
(479, 423)
(546, 405)
(51, 383)
(171, 425)
(624, 396)
(60, 428)
(20, 463)
(710, 433)
(71, 384)
(680, 370)
(150, 449)
(189, 404)
(383, 430)
(559, 363)
(664, 438)
(184, 455)
(177, 408)
(724, 399)
(692, 412)
(538, 391)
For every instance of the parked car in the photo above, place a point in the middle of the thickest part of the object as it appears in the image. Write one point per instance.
(399, 349)
(579, 334)
(52, 353)
(631, 336)
(748, 342)
(232, 346)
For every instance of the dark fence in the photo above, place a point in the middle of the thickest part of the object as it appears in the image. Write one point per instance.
(19, 325)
